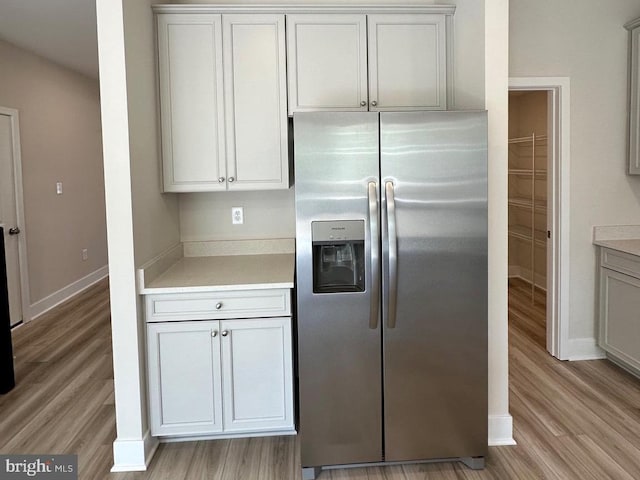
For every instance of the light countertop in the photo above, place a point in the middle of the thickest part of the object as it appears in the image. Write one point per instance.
(631, 246)
(624, 238)
(223, 273)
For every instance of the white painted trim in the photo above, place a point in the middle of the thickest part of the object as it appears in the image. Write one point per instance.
(501, 430)
(134, 455)
(585, 349)
(524, 274)
(559, 146)
(65, 293)
(22, 238)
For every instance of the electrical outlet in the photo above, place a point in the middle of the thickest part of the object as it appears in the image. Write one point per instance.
(85, 254)
(237, 215)
(59, 188)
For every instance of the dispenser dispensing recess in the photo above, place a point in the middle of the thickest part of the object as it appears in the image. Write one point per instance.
(338, 256)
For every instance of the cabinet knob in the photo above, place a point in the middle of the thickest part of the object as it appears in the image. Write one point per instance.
(232, 179)
(363, 103)
(218, 305)
(214, 333)
(374, 103)
(14, 231)
(225, 333)
(220, 179)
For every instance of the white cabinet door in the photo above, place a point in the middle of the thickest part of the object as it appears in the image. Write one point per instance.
(257, 374)
(184, 378)
(407, 62)
(256, 102)
(634, 98)
(620, 316)
(191, 102)
(327, 61)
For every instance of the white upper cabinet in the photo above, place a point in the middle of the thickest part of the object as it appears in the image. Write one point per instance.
(191, 102)
(407, 62)
(223, 102)
(327, 62)
(368, 62)
(634, 97)
(256, 102)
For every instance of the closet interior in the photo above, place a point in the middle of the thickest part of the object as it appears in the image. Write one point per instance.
(528, 188)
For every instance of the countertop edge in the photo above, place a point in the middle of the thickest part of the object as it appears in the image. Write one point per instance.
(217, 288)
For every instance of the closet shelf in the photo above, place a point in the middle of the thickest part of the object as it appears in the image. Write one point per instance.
(527, 172)
(524, 233)
(527, 202)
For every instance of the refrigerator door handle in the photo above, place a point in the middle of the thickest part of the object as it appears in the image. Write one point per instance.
(375, 256)
(392, 240)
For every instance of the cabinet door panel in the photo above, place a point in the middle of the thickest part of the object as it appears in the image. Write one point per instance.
(255, 97)
(184, 378)
(407, 62)
(191, 101)
(257, 382)
(634, 99)
(619, 317)
(327, 59)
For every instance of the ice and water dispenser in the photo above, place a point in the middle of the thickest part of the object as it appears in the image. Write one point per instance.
(338, 256)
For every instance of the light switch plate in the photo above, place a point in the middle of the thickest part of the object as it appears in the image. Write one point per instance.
(59, 188)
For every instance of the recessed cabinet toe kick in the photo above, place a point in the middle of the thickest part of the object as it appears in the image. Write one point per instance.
(220, 364)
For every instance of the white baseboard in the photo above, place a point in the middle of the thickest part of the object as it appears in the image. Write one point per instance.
(64, 294)
(134, 455)
(524, 274)
(501, 430)
(585, 349)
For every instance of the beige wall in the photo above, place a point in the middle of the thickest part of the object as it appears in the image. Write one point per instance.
(585, 40)
(60, 141)
(155, 215)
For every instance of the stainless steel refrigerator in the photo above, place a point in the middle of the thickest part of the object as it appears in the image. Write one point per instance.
(391, 265)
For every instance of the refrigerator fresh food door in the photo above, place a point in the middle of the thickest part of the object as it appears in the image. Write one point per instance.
(434, 245)
(339, 358)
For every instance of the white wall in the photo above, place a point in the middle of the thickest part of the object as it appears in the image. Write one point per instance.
(585, 40)
(61, 141)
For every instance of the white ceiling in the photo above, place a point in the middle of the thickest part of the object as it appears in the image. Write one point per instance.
(63, 31)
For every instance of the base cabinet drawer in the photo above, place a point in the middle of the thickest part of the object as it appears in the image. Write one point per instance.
(178, 307)
(220, 377)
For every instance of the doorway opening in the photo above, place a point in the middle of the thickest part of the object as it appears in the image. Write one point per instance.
(12, 217)
(538, 209)
(528, 185)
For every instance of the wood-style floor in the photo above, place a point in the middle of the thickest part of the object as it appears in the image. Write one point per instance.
(572, 420)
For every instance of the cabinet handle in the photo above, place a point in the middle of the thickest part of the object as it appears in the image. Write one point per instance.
(218, 305)
(225, 333)
(214, 333)
(231, 179)
(374, 103)
(220, 179)
(363, 103)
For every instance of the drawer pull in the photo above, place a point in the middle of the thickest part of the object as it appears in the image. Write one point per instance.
(218, 306)
(214, 333)
(225, 333)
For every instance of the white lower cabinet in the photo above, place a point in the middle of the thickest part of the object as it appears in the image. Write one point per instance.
(220, 377)
(620, 307)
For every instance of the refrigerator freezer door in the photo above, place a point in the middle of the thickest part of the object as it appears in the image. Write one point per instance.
(435, 358)
(339, 357)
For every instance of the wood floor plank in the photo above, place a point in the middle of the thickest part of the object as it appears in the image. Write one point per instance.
(572, 420)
